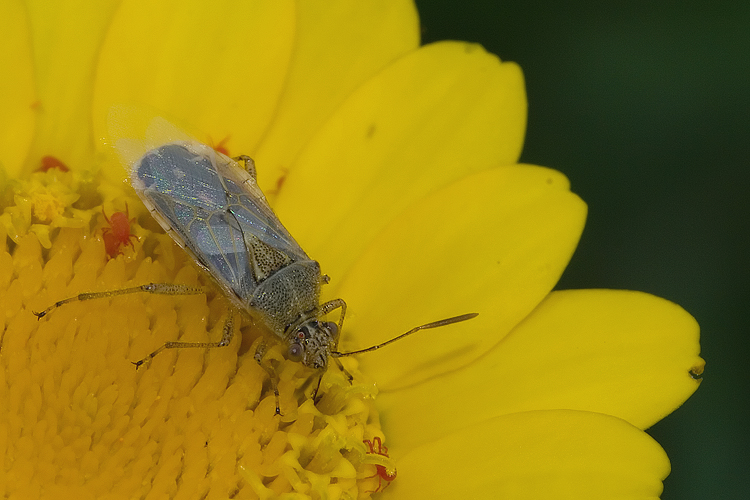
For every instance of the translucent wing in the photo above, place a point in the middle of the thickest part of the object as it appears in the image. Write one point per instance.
(213, 208)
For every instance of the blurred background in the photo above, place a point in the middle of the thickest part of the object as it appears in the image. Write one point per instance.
(645, 106)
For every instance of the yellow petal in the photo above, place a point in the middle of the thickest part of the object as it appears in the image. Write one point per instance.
(65, 40)
(627, 354)
(218, 65)
(624, 353)
(434, 116)
(494, 243)
(544, 454)
(17, 90)
(339, 45)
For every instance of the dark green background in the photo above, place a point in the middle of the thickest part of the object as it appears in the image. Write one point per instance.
(645, 106)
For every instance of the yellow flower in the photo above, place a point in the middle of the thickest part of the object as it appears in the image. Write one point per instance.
(393, 165)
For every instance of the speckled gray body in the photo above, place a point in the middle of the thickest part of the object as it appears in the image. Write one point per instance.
(213, 208)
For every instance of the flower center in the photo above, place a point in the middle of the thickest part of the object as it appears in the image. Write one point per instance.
(78, 417)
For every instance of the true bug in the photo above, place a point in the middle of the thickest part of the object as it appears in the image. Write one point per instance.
(213, 208)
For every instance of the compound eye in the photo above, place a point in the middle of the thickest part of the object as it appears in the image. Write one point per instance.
(333, 328)
(295, 352)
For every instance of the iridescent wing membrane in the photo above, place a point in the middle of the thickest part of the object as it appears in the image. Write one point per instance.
(214, 209)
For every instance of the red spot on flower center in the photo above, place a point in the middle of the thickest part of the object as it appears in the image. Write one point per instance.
(49, 162)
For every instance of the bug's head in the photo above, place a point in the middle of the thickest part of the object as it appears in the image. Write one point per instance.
(311, 343)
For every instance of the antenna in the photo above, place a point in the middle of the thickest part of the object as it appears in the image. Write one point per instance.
(435, 324)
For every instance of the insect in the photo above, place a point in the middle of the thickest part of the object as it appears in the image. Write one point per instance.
(118, 232)
(382, 472)
(212, 207)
